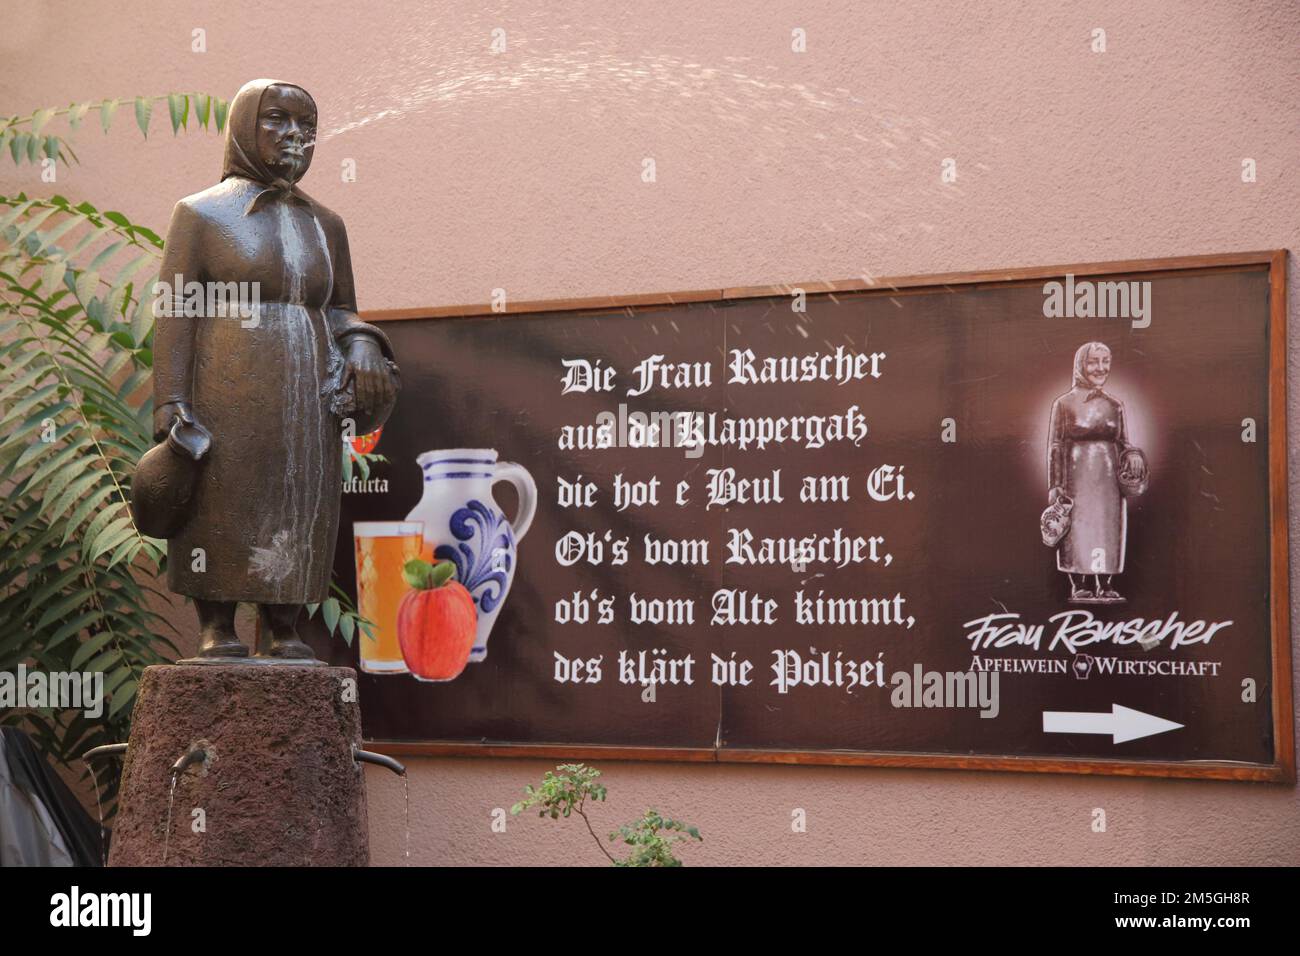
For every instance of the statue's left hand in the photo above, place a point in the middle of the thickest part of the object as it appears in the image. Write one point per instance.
(369, 371)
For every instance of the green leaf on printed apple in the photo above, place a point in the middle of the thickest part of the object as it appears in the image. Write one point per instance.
(423, 576)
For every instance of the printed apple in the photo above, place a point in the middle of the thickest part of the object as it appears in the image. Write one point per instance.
(436, 621)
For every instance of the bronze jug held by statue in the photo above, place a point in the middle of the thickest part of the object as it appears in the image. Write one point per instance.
(166, 476)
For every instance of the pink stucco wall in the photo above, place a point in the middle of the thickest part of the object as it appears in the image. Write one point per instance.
(522, 170)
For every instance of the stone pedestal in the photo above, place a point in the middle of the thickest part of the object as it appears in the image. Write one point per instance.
(278, 787)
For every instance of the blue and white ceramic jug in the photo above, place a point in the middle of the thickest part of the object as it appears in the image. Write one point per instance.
(464, 525)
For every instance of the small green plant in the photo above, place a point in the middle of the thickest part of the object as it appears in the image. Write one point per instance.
(566, 790)
(650, 846)
(360, 460)
(341, 617)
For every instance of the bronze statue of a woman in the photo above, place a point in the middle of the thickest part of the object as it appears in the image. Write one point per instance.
(274, 388)
(1092, 469)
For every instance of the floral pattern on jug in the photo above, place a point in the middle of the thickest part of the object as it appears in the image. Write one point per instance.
(483, 553)
(465, 525)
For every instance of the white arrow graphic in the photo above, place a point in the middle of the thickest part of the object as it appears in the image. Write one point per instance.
(1122, 723)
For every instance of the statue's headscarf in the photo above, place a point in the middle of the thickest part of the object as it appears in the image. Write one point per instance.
(241, 158)
(1080, 368)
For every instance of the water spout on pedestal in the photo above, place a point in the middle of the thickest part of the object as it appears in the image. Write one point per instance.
(367, 756)
(193, 755)
(197, 752)
(104, 750)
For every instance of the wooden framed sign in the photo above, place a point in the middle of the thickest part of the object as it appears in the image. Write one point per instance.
(1032, 520)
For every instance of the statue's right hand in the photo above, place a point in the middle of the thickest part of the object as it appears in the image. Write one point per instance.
(1054, 495)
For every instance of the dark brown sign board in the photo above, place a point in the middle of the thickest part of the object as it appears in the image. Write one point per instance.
(841, 555)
